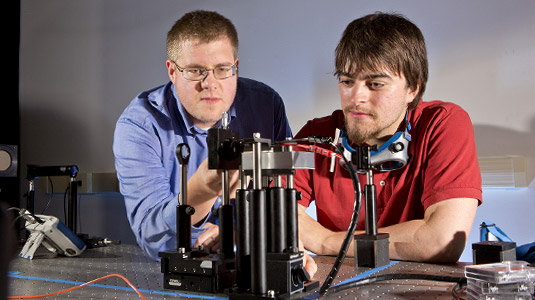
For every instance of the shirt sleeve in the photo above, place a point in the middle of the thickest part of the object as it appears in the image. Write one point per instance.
(451, 165)
(148, 199)
(144, 183)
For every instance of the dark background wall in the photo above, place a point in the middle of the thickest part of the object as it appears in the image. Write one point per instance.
(9, 112)
(9, 139)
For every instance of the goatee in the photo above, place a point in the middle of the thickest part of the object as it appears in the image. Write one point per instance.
(355, 134)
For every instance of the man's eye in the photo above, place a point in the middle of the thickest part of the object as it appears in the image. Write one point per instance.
(345, 82)
(223, 69)
(194, 71)
(375, 85)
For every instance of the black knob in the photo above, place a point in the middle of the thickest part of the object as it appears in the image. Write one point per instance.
(397, 147)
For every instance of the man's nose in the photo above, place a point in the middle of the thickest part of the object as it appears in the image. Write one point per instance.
(209, 80)
(359, 93)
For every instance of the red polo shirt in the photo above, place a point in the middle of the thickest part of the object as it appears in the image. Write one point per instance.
(443, 165)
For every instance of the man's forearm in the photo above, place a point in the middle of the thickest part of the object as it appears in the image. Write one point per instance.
(422, 247)
(204, 187)
(439, 237)
(201, 199)
(317, 238)
(417, 241)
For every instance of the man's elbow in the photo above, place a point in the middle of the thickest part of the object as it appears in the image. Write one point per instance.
(447, 250)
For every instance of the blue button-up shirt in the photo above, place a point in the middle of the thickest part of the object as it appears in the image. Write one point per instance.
(145, 139)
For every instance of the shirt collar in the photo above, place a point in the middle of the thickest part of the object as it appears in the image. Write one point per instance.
(190, 126)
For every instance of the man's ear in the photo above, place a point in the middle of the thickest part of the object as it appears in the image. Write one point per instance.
(171, 70)
(413, 91)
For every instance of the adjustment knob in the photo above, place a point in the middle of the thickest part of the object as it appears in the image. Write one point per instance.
(190, 210)
(397, 147)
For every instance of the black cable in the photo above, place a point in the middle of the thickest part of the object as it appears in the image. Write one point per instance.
(15, 221)
(49, 198)
(14, 208)
(311, 139)
(22, 213)
(458, 290)
(65, 202)
(461, 281)
(327, 290)
(79, 214)
(352, 225)
(67, 190)
(19, 215)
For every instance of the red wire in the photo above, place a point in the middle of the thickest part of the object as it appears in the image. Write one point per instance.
(79, 286)
(314, 149)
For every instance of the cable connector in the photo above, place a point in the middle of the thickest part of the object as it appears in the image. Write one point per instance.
(29, 217)
(320, 139)
(313, 139)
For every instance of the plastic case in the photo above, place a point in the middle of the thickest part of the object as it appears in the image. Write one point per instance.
(471, 295)
(483, 287)
(507, 280)
(503, 272)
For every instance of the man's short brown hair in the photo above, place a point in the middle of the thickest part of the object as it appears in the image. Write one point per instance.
(382, 40)
(206, 26)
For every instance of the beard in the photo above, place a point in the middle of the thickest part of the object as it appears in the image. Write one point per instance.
(358, 131)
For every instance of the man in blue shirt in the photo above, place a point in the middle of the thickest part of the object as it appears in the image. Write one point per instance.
(202, 65)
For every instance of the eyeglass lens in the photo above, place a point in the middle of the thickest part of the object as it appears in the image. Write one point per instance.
(221, 72)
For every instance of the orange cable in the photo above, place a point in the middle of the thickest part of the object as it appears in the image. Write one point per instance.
(79, 286)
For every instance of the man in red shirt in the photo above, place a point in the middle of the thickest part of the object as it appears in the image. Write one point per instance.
(428, 206)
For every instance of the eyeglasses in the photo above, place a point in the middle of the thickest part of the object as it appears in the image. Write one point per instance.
(199, 74)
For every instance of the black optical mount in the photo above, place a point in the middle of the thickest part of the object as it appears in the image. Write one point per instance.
(190, 269)
(371, 248)
(265, 262)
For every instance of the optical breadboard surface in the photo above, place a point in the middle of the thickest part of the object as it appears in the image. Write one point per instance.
(48, 273)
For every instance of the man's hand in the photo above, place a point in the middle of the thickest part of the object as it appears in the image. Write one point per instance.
(204, 186)
(205, 181)
(310, 265)
(209, 239)
(308, 262)
(316, 238)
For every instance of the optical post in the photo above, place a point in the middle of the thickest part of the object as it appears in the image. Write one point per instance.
(371, 248)
(190, 269)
